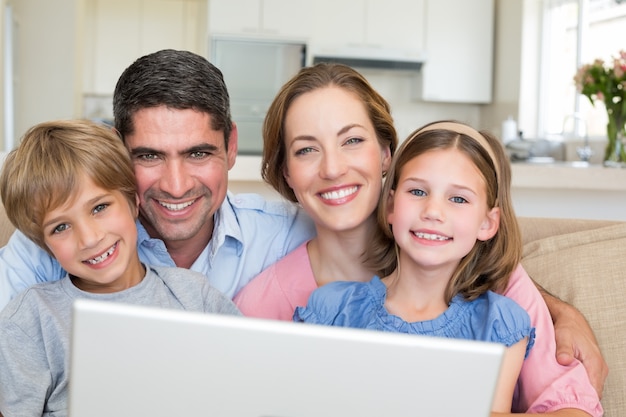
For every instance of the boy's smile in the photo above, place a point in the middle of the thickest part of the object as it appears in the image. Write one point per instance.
(94, 237)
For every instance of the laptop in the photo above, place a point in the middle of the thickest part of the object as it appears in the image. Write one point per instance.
(129, 360)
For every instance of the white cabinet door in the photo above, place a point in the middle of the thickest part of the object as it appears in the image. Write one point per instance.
(267, 18)
(368, 24)
(287, 18)
(459, 44)
(337, 24)
(123, 30)
(396, 24)
(234, 16)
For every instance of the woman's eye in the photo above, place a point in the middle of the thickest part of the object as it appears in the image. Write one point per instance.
(304, 151)
(353, 140)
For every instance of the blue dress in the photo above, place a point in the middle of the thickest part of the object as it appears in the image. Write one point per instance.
(491, 317)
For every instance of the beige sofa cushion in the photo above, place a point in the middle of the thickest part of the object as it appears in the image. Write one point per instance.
(588, 269)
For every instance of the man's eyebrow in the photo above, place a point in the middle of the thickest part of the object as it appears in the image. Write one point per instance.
(143, 150)
(200, 148)
(205, 147)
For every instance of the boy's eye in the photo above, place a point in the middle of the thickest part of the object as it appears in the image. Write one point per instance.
(60, 228)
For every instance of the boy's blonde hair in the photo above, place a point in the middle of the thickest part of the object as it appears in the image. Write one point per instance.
(490, 263)
(42, 173)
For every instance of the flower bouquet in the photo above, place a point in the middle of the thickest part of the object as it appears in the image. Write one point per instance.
(604, 82)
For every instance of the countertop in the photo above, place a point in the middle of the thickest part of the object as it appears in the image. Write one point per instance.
(568, 176)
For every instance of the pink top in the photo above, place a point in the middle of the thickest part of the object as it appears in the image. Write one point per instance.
(544, 385)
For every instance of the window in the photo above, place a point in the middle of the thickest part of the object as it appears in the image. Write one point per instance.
(576, 32)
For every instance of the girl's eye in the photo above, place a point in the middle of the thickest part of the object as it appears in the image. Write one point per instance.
(418, 192)
(60, 228)
(100, 207)
(459, 200)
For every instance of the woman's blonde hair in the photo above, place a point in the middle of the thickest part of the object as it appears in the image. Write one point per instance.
(43, 172)
(490, 263)
(309, 79)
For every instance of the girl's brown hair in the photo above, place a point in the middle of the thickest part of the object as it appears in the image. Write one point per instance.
(490, 263)
(307, 80)
(43, 172)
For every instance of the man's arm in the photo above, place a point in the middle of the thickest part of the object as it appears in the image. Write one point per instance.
(23, 264)
(575, 339)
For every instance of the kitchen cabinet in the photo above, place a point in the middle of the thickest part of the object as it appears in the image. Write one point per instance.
(285, 19)
(368, 24)
(117, 32)
(459, 45)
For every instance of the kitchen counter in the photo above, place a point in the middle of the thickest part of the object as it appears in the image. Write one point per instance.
(563, 190)
(568, 176)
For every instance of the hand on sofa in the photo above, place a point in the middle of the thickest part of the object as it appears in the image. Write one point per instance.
(575, 339)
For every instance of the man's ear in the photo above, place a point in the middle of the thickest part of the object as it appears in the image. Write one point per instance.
(490, 225)
(232, 146)
(136, 210)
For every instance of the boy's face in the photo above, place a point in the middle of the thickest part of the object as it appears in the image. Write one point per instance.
(94, 237)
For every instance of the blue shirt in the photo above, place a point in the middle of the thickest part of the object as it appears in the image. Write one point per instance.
(491, 317)
(250, 234)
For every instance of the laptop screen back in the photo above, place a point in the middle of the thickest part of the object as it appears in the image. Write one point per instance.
(138, 361)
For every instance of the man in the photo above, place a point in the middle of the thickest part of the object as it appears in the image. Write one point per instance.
(172, 110)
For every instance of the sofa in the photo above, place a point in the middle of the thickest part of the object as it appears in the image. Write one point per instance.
(584, 263)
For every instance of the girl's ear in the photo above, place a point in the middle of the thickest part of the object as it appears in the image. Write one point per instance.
(490, 225)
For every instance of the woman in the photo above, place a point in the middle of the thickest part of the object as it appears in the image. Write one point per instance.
(328, 141)
(337, 139)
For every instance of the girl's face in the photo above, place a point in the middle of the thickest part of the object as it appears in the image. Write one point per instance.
(94, 238)
(334, 160)
(439, 209)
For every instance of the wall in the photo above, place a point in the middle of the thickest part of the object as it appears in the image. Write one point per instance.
(48, 59)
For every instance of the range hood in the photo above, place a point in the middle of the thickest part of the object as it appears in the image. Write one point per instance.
(378, 58)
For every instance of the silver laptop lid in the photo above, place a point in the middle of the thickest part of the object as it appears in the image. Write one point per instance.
(137, 361)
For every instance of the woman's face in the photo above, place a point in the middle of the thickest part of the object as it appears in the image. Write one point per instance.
(334, 160)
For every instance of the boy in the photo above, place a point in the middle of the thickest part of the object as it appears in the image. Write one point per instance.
(70, 187)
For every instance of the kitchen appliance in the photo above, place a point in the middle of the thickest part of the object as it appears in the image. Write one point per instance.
(254, 70)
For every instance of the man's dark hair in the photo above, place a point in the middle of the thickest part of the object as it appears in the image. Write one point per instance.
(176, 79)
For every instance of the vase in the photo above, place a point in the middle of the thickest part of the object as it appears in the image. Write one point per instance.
(615, 153)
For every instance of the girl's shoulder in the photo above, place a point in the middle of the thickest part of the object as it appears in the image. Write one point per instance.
(341, 299)
(505, 321)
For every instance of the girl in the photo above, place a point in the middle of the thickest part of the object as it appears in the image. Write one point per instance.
(447, 237)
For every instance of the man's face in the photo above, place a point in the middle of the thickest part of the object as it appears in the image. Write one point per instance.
(181, 166)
